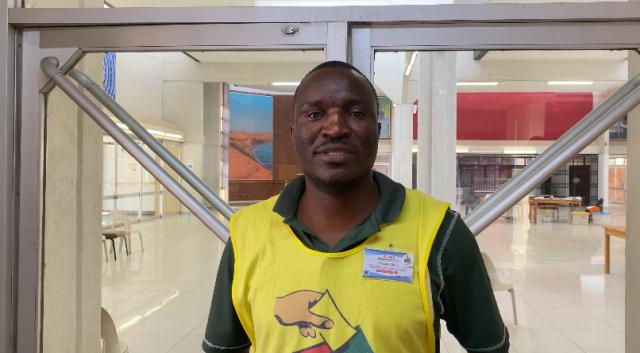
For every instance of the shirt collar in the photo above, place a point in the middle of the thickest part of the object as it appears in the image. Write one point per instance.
(390, 203)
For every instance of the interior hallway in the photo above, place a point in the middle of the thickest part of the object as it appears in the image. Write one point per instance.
(160, 299)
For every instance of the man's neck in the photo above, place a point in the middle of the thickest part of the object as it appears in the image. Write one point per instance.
(332, 214)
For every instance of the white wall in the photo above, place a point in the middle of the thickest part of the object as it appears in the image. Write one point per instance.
(530, 66)
(389, 76)
(237, 73)
(183, 105)
(139, 84)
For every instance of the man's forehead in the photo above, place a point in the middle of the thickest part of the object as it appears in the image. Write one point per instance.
(330, 73)
(337, 75)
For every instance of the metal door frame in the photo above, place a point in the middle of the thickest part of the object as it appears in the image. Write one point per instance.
(549, 35)
(70, 44)
(349, 33)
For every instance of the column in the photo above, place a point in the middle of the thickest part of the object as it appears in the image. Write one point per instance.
(401, 141)
(211, 125)
(603, 168)
(632, 256)
(72, 224)
(603, 155)
(437, 125)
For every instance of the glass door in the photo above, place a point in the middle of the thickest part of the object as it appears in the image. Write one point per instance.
(218, 98)
(469, 108)
(181, 72)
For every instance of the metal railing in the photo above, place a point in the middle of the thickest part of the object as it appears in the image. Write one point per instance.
(566, 147)
(155, 145)
(560, 152)
(50, 67)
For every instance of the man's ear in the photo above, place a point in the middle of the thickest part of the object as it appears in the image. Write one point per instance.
(291, 127)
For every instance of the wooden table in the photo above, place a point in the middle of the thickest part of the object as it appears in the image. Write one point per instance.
(611, 231)
(536, 203)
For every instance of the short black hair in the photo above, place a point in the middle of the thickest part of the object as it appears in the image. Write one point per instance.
(340, 65)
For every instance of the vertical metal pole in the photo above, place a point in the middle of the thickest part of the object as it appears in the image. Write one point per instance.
(140, 199)
(31, 109)
(7, 183)
(115, 179)
(362, 52)
(337, 38)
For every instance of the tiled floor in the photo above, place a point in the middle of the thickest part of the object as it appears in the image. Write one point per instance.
(160, 298)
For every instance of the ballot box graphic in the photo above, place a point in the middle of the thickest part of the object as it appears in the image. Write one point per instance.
(318, 318)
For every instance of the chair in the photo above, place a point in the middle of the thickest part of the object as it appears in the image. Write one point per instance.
(113, 235)
(554, 211)
(580, 217)
(109, 335)
(498, 285)
(118, 216)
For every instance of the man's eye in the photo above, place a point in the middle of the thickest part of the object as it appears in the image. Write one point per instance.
(357, 114)
(314, 115)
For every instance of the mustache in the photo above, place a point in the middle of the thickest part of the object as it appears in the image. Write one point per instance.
(334, 142)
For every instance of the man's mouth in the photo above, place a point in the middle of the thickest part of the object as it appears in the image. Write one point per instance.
(336, 152)
(335, 155)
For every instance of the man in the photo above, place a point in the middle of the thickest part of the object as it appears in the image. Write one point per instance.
(345, 259)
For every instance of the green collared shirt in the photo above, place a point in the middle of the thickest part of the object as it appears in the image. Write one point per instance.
(460, 287)
(392, 197)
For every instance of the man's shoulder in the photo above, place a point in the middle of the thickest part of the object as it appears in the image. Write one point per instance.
(262, 207)
(418, 196)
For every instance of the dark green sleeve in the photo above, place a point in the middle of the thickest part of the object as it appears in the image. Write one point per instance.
(463, 296)
(224, 332)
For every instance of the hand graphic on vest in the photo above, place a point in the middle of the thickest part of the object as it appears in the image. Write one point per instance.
(293, 309)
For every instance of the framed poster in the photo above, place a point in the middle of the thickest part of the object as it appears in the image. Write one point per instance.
(384, 117)
(250, 136)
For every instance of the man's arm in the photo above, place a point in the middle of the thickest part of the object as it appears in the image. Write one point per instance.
(224, 332)
(467, 301)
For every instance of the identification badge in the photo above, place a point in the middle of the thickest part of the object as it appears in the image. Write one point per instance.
(388, 265)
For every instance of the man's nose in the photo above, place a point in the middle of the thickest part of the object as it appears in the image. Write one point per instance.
(336, 124)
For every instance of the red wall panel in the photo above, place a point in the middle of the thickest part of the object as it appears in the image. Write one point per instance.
(517, 115)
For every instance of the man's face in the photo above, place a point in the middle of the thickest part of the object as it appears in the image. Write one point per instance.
(335, 131)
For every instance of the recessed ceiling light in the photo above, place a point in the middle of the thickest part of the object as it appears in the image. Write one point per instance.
(570, 83)
(519, 151)
(412, 61)
(477, 83)
(285, 83)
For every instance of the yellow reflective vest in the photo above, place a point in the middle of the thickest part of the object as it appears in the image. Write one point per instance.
(375, 297)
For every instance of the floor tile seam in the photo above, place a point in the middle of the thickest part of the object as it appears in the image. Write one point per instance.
(583, 349)
(594, 317)
(193, 265)
(136, 293)
(622, 332)
(158, 333)
(181, 339)
(144, 318)
(558, 329)
(196, 328)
